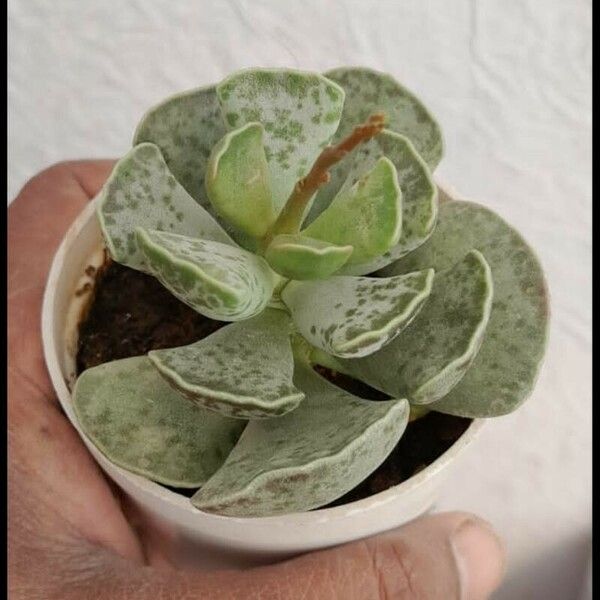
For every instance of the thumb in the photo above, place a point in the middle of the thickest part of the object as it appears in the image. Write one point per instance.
(448, 556)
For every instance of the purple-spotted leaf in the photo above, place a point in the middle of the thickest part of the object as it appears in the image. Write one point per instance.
(237, 180)
(366, 215)
(308, 457)
(296, 256)
(369, 91)
(299, 111)
(434, 352)
(506, 367)
(142, 192)
(139, 422)
(243, 370)
(355, 316)
(220, 281)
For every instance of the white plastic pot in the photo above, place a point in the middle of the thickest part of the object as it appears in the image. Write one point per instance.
(207, 539)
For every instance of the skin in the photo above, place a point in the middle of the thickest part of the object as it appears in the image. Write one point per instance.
(71, 535)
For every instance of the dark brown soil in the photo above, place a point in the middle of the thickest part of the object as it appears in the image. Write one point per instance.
(132, 313)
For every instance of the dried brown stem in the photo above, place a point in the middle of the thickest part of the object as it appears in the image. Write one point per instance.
(290, 218)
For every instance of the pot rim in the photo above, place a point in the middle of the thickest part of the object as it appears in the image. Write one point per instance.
(179, 501)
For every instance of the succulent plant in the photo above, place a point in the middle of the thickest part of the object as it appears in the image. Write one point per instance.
(301, 209)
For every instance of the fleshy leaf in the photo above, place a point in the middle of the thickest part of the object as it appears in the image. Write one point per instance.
(431, 355)
(140, 423)
(141, 191)
(237, 180)
(366, 215)
(220, 281)
(355, 316)
(419, 193)
(296, 256)
(506, 367)
(243, 370)
(308, 457)
(369, 91)
(185, 127)
(300, 112)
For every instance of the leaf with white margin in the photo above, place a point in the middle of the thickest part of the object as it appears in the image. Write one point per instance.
(142, 192)
(369, 91)
(220, 281)
(434, 352)
(300, 112)
(243, 370)
(419, 193)
(366, 215)
(134, 417)
(505, 370)
(308, 457)
(296, 256)
(185, 127)
(356, 316)
(237, 180)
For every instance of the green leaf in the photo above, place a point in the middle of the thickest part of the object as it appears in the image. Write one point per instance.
(419, 193)
(366, 215)
(300, 112)
(308, 457)
(237, 180)
(432, 354)
(140, 423)
(369, 91)
(185, 127)
(243, 370)
(504, 372)
(141, 191)
(296, 256)
(220, 281)
(355, 316)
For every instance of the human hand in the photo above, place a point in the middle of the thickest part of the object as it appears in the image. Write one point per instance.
(70, 532)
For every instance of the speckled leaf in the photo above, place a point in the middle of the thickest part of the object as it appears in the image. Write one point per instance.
(220, 281)
(300, 257)
(369, 91)
(185, 127)
(419, 196)
(243, 370)
(308, 457)
(299, 111)
(505, 369)
(355, 316)
(431, 355)
(419, 193)
(142, 192)
(366, 215)
(237, 180)
(140, 423)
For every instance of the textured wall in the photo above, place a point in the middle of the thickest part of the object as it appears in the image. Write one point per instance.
(510, 83)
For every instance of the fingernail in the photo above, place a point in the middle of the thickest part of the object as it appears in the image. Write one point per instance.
(480, 558)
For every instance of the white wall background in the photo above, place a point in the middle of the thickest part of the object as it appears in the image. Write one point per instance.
(510, 82)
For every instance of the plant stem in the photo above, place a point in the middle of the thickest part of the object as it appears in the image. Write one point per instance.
(291, 216)
(416, 412)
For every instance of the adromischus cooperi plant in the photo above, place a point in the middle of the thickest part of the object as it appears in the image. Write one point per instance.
(269, 201)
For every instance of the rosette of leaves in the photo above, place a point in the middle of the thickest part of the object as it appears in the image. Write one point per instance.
(300, 208)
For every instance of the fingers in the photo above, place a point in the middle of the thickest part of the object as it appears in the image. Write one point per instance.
(37, 220)
(43, 211)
